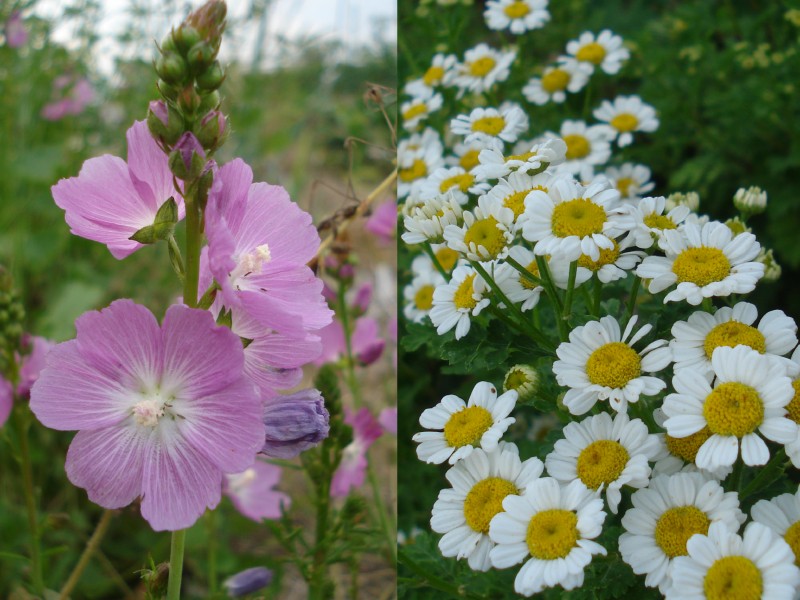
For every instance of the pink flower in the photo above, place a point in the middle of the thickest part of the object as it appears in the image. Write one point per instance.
(253, 491)
(73, 103)
(110, 199)
(16, 34)
(388, 419)
(383, 221)
(353, 468)
(6, 400)
(366, 345)
(162, 412)
(259, 242)
(30, 364)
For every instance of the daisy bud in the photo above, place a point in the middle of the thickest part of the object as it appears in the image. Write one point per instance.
(737, 226)
(247, 581)
(294, 423)
(164, 122)
(690, 199)
(211, 78)
(524, 380)
(171, 68)
(750, 201)
(187, 158)
(772, 270)
(212, 130)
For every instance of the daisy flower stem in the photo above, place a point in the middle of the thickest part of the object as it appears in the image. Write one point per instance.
(766, 475)
(23, 424)
(573, 271)
(587, 99)
(429, 251)
(637, 282)
(597, 293)
(523, 271)
(736, 475)
(708, 306)
(91, 547)
(552, 293)
(176, 564)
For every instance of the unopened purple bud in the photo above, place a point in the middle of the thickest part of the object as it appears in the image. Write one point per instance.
(329, 293)
(247, 581)
(160, 110)
(371, 353)
(294, 423)
(187, 158)
(212, 129)
(363, 297)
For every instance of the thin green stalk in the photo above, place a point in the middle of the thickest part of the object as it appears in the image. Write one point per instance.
(316, 585)
(552, 293)
(597, 295)
(526, 274)
(383, 516)
(194, 238)
(573, 271)
(429, 251)
(766, 475)
(637, 282)
(23, 423)
(211, 528)
(91, 547)
(736, 476)
(176, 564)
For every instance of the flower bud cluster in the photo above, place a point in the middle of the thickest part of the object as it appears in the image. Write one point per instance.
(187, 121)
(12, 313)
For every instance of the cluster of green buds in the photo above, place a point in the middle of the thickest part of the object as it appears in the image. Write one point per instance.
(187, 122)
(12, 314)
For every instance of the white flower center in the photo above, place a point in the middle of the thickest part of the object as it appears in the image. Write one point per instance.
(252, 263)
(147, 412)
(241, 481)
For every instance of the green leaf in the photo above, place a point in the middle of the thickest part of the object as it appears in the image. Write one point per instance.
(146, 235)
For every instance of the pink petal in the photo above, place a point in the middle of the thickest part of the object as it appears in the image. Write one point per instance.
(257, 499)
(148, 168)
(6, 400)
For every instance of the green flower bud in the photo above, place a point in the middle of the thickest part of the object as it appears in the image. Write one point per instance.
(164, 122)
(189, 100)
(168, 43)
(524, 380)
(200, 56)
(167, 91)
(690, 199)
(185, 37)
(211, 130)
(209, 21)
(172, 68)
(209, 102)
(211, 78)
(750, 201)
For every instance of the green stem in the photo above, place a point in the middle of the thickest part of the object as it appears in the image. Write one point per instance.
(91, 547)
(597, 295)
(736, 475)
(176, 564)
(526, 274)
(23, 423)
(317, 584)
(637, 282)
(429, 251)
(552, 293)
(573, 271)
(194, 238)
(766, 475)
(211, 527)
(383, 516)
(350, 371)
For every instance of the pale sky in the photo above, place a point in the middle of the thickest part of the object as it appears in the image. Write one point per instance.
(354, 22)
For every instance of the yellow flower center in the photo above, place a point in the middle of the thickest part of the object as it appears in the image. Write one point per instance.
(517, 10)
(417, 170)
(625, 122)
(515, 379)
(701, 266)
(415, 111)
(489, 125)
(463, 297)
(533, 269)
(447, 257)
(792, 537)
(613, 365)
(433, 76)
(591, 52)
(555, 80)
(601, 462)
(525, 157)
(655, 221)
(579, 217)
(733, 408)
(485, 500)
(516, 201)
(676, 525)
(731, 334)
(793, 408)
(624, 185)
(469, 160)
(484, 232)
(552, 534)
(733, 578)
(482, 66)
(686, 448)
(466, 427)
(577, 146)
(463, 182)
(608, 256)
(423, 299)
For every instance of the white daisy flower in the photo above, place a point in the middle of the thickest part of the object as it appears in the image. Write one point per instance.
(568, 75)
(625, 115)
(446, 257)
(486, 232)
(551, 528)
(586, 146)
(702, 333)
(704, 261)
(665, 515)
(440, 73)
(419, 108)
(604, 454)
(570, 220)
(491, 126)
(599, 364)
(417, 157)
(482, 68)
(651, 222)
(782, 516)
(518, 16)
(532, 156)
(722, 565)
(605, 51)
(453, 180)
(612, 265)
(466, 157)
(516, 287)
(460, 428)
(632, 181)
(419, 295)
(427, 221)
(750, 393)
(512, 191)
(454, 302)
(690, 199)
(793, 408)
(480, 484)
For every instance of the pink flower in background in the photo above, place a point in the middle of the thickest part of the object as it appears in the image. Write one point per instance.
(388, 419)
(6, 401)
(73, 102)
(16, 34)
(363, 298)
(30, 364)
(383, 221)
(366, 344)
(353, 468)
(162, 411)
(259, 242)
(110, 199)
(253, 491)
